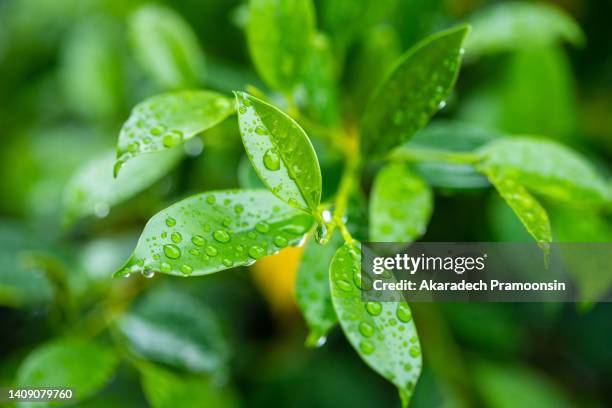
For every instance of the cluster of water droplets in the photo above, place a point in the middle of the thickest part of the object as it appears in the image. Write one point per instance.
(230, 240)
(279, 147)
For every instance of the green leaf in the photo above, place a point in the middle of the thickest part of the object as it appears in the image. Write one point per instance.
(380, 49)
(383, 334)
(528, 388)
(347, 19)
(413, 91)
(544, 77)
(519, 25)
(525, 206)
(91, 69)
(279, 34)
(209, 232)
(164, 389)
(83, 365)
(175, 329)
(401, 204)
(167, 120)
(93, 190)
(312, 289)
(280, 151)
(320, 87)
(444, 138)
(547, 168)
(166, 47)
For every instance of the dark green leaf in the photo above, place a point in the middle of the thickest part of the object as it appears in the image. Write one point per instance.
(413, 91)
(169, 119)
(347, 19)
(20, 286)
(79, 364)
(519, 25)
(401, 204)
(280, 33)
(217, 230)
(547, 168)
(166, 47)
(312, 289)
(383, 334)
(280, 151)
(320, 86)
(92, 190)
(380, 49)
(525, 206)
(443, 138)
(174, 328)
(164, 389)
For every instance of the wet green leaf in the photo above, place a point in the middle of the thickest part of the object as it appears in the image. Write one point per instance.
(279, 34)
(413, 91)
(531, 213)
(383, 333)
(312, 288)
(166, 47)
(547, 168)
(82, 365)
(519, 25)
(401, 204)
(320, 85)
(280, 151)
(175, 329)
(167, 120)
(93, 190)
(209, 232)
(165, 389)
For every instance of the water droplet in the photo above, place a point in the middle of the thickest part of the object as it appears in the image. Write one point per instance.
(262, 227)
(101, 210)
(260, 130)
(414, 351)
(172, 251)
(271, 160)
(157, 130)
(256, 252)
(366, 329)
(344, 285)
(171, 222)
(172, 138)
(403, 312)
(442, 104)
(280, 241)
(242, 110)
(227, 262)
(221, 236)
(194, 252)
(165, 267)
(211, 250)
(238, 208)
(186, 269)
(148, 273)
(367, 347)
(374, 308)
(198, 240)
(132, 147)
(176, 237)
(211, 199)
(321, 234)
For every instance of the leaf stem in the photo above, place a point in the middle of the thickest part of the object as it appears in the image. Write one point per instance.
(418, 154)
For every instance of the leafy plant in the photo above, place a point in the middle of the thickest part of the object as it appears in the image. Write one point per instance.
(330, 159)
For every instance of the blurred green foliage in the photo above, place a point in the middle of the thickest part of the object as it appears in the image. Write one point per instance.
(72, 71)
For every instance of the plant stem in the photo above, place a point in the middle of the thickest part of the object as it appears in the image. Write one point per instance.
(407, 154)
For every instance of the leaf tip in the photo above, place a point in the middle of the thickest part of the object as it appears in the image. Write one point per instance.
(118, 165)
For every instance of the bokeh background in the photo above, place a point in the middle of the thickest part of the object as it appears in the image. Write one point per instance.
(70, 71)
